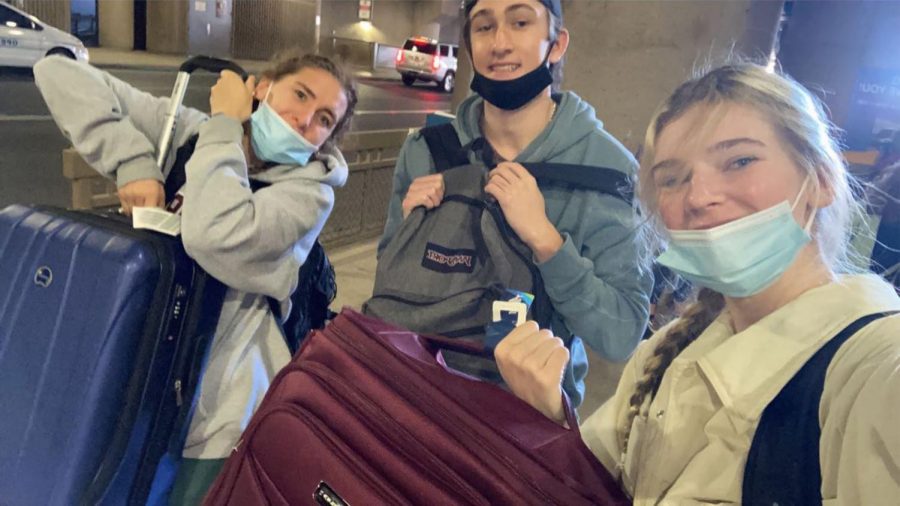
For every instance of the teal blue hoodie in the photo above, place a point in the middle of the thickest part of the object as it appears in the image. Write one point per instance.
(598, 288)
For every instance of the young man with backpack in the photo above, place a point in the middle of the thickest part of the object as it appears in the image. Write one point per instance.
(581, 241)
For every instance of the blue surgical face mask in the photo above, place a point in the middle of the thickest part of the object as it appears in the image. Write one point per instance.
(274, 140)
(743, 257)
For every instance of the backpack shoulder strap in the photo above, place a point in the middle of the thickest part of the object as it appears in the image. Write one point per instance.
(444, 145)
(783, 462)
(599, 179)
(447, 152)
(177, 176)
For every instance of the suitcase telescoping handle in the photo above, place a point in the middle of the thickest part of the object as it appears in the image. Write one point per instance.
(207, 63)
(214, 65)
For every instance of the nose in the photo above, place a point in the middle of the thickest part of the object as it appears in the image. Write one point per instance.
(302, 117)
(501, 40)
(703, 192)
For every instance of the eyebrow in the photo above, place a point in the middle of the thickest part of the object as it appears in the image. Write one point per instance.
(313, 95)
(670, 163)
(305, 89)
(730, 143)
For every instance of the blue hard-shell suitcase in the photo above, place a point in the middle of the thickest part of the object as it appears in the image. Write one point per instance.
(103, 331)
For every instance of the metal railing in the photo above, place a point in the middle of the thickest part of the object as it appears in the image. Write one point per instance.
(359, 53)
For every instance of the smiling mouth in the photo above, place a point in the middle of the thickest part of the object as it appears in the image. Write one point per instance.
(504, 68)
(709, 224)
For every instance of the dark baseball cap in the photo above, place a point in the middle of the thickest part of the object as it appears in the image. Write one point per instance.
(554, 6)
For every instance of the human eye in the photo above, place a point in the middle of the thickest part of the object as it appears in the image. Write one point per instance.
(325, 120)
(741, 162)
(300, 94)
(668, 179)
(521, 23)
(482, 26)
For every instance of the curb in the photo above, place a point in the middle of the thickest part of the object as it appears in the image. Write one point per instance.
(158, 67)
(172, 68)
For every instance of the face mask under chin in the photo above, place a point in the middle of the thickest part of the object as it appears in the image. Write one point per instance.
(274, 140)
(513, 94)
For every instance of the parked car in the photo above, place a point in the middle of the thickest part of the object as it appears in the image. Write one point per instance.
(24, 39)
(426, 59)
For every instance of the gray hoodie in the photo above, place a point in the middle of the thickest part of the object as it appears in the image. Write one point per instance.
(599, 292)
(255, 243)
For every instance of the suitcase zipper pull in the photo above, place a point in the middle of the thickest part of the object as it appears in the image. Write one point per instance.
(178, 398)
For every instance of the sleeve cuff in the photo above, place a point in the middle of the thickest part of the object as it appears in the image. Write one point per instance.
(563, 269)
(220, 129)
(135, 170)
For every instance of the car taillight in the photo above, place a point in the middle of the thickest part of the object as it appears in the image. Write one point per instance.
(435, 62)
(400, 56)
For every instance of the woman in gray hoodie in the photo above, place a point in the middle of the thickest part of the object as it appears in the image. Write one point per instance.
(253, 242)
(584, 244)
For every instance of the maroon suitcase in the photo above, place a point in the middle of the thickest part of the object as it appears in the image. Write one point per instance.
(366, 413)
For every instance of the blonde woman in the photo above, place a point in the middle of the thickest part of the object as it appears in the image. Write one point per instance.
(743, 177)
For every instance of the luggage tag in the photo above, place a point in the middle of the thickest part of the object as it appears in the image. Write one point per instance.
(508, 313)
(158, 220)
(505, 309)
(513, 305)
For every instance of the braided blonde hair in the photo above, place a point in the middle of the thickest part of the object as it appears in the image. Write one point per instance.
(801, 123)
(695, 319)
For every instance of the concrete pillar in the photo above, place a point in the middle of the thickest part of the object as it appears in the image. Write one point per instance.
(625, 57)
(56, 13)
(167, 26)
(261, 28)
(116, 24)
(463, 67)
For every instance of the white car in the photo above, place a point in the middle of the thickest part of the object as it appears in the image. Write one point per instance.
(24, 39)
(426, 59)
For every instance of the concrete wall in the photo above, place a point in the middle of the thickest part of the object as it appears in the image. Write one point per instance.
(209, 27)
(53, 12)
(167, 26)
(116, 23)
(392, 21)
(825, 44)
(263, 27)
(625, 57)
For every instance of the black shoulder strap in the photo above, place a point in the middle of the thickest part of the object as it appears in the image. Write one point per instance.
(599, 179)
(444, 146)
(177, 176)
(783, 462)
(447, 152)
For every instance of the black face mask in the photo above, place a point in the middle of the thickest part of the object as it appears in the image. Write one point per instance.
(514, 93)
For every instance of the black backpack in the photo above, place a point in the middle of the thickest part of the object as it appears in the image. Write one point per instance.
(783, 463)
(316, 288)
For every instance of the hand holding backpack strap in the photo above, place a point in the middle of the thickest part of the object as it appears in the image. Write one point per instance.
(448, 152)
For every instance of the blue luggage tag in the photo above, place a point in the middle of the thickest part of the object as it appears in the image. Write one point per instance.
(510, 311)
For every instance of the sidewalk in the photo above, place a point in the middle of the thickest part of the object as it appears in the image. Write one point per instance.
(354, 268)
(128, 59)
